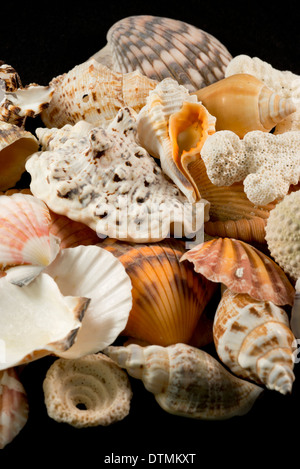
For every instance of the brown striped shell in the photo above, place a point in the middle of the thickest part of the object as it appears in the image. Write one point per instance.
(164, 47)
(243, 269)
(253, 338)
(169, 297)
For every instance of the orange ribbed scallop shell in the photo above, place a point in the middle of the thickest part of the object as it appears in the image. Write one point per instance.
(231, 213)
(243, 269)
(169, 297)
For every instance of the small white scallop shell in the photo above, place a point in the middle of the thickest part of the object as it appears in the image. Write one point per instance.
(37, 320)
(93, 272)
(25, 238)
(87, 392)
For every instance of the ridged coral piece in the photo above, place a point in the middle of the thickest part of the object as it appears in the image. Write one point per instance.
(242, 268)
(242, 103)
(253, 338)
(164, 47)
(187, 381)
(13, 406)
(169, 298)
(93, 92)
(87, 392)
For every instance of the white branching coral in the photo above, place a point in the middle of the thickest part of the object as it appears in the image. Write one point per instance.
(266, 163)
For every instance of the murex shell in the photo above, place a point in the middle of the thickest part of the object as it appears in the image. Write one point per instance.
(107, 180)
(187, 381)
(93, 92)
(163, 47)
(169, 297)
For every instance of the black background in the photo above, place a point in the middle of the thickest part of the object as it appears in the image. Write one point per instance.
(43, 40)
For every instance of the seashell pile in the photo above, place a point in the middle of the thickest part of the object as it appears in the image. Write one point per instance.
(158, 238)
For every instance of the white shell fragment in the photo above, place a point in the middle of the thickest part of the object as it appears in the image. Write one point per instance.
(87, 392)
(93, 272)
(13, 406)
(187, 381)
(26, 244)
(93, 92)
(18, 102)
(266, 163)
(105, 179)
(36, 320)
(164, 47)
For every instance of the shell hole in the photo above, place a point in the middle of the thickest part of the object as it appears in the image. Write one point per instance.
(189, 138)
(81, 406)
(85, 98)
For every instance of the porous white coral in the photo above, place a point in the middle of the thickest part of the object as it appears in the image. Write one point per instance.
(283, 234)
(266, 163)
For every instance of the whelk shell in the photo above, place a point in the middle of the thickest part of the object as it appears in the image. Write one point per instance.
(13, 406)
(173, 127)
(187, 381)
(16, 145)
(26, 244)
(242, 268)
(164, 47)
(254, 340)
(87, 391)
(93, 92)
(242, 103)
(169, 298)
(37, 320)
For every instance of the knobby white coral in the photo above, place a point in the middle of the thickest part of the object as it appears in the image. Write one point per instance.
(267, 164)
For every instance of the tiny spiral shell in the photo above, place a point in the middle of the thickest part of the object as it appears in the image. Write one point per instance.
(254, 340)
(187, 381)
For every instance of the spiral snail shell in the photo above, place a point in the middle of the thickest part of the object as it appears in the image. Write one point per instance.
(187, 381)
(242, 103)
(254, 340)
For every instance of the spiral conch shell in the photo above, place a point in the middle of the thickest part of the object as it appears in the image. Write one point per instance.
(173, 127)
(242, 103)
(93, 92)
(187, 381)
(253, 338)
